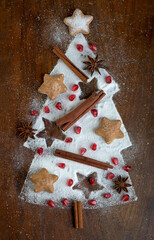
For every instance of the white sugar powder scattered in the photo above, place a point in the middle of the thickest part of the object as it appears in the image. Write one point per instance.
(106, 108)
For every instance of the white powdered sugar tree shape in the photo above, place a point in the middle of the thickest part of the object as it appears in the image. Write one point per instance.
(88, 123)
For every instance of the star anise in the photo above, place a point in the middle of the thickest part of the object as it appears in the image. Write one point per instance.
(27, 131)
(93, 64)
(120, 184)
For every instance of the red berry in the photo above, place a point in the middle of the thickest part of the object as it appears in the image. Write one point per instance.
(94, 146)
(40, 151)
(115, 161)
(108, 79)
(79, 47)
(125, 198)
(77, 129)
(94, 112)
(127, 168)
(46, 109)
(68, 140)
(107, 195)
(70, 182)
(65, 202)
(75, 87)
(59, 106)
(72, 97)
(61, 165)
(92, 181)
(110, 175)
(50, 203)
(34, 113)
(82, 151)
(93, 47)
(92, 202)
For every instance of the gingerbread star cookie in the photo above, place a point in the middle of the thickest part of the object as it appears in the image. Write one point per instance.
(43, 181)
(50, 132)
(109, 130)
(53, 86)
(78, 22)
(88, 89)
(87, 184)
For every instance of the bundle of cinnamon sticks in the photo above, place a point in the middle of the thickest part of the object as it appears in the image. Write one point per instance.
(68, 120)
(78, 220)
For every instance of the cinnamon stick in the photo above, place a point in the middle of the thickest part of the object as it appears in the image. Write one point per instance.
(82, 159)
(68, 120)
(75, 215)
(71, 65)
(80, 219)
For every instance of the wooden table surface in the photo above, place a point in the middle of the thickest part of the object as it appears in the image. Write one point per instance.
(122, 30)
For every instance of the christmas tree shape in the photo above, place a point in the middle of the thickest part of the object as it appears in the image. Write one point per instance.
(88, 123)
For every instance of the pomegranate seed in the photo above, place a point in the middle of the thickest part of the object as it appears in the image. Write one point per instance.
(127, 168)
(77, 129)
(94, 146)
(40, 151)
(92, 181)
(70, 182)
(59, 106)
(108, 79)
(68, 140)
(61, 165)
(50, 203)
(107, 195)
(72, 97)
(125, 198)
(34, 113)
(82, 151)
(115, 161)
(65, 202)
(94, 112)
(93, 47)
(110, 175)
(92, 202)
(79, 47)
(75, 87)
(46, 109)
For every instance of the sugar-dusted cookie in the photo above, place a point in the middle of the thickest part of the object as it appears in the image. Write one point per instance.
(109, 130)
(78, 22)
(88, 89)
(53, 86)
(43, 181)
(50, 132)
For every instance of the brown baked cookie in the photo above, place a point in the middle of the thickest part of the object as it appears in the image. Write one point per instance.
(53, 86)
(109, 130)
(87, 184)
(50, 132)
(43, 181)
(78, 22)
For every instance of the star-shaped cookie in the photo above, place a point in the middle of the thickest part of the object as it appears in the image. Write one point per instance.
(78, 22)
(50, 132)
(88, 89)
(85, 186)
(43, 181)
(53, 86)
(109, 130)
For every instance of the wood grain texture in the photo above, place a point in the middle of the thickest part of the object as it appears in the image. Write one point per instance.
(122, 30)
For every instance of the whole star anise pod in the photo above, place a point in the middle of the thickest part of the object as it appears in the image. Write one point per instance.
(93, 64)
(120, 184)
(27, 131)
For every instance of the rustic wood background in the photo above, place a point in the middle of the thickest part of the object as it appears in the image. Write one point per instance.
(122, 30)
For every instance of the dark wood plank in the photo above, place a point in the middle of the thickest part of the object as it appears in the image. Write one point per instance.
(122, 31)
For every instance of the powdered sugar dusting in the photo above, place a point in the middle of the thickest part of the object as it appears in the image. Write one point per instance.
(104, 152)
